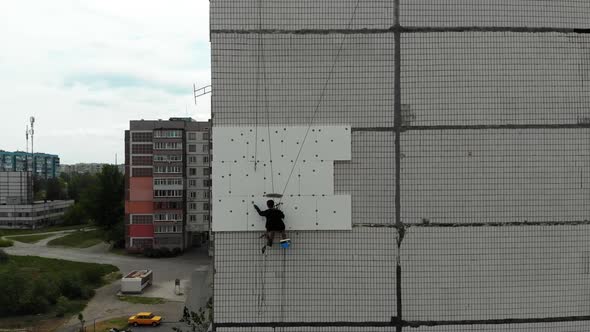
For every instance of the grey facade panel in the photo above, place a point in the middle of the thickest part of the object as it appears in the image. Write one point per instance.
(495, 272)
(303, 14)
(534, 175)
(326, 276)
(293, 72)
(475, 78)
(369, 178)
(497, 13)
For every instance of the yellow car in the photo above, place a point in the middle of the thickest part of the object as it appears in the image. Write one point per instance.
(144, 318)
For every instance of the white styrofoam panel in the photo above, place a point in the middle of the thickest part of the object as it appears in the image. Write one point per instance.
(245, 180)
(334, 212)
(228, 145)
(301, 213)
(302, 180)
(229, 213)
(316, 178)
(321, 143)
(220, 178)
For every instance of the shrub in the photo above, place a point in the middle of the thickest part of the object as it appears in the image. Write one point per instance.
(62, 306)
(71, 286)
(5, 243)
(165, 252)
(75, 215)
(93, 275)
(176, 251)
(148, 252)
(3, 257)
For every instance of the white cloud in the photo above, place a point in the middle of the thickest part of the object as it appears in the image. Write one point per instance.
(85, 68)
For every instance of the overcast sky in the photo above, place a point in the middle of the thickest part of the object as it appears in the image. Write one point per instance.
(84, 68)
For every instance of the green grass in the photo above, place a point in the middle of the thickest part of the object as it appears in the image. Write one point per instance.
(52, 279)
(78, 239)
(119, 322)
(9, 232)
(112, 277)
(142, 299)
(33, 238)
(49, 266)
(5, 243)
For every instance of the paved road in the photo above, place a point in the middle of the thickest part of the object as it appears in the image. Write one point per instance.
(193, 267)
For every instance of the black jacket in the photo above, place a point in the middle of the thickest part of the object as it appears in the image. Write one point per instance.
(274, 219)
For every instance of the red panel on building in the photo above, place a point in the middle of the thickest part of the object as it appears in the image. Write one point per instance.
(139, 207)
(141, 189)
(140, 230)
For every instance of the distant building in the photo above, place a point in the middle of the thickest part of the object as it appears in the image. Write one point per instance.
(167, 183)
(17, 209)
(44, 165)
(92, 168)
(15, 187)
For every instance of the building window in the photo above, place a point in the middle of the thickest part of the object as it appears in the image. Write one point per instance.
(192, 171)
(193, 194)
(168, 146)
(141, 148)
(167, 133)
(141, 137)
(206, 136)
(192, 183)
(206, 206)
(167, 181)
(167, 205)
(206, 148)
(206, 159)
(141, 219)
(192, 206)
(164, 217)
(141, 243)
(206, 194)
(167, 169)
(168, 157)
(192, 159)
(207, 171)
(141, 160)
(167, 193)
(141, 172)
(193, 217)
(192, 136)
(205, 217)
(192, 148)
(207, 183)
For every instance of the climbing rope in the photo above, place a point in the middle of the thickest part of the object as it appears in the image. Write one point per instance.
(322, 94)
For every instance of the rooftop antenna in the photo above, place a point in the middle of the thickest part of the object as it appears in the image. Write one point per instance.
(32, 133)
(201, 91)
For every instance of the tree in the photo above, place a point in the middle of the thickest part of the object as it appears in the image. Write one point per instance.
(54, 190)
(77, 184)
(104, 202)
(197, 321)
(75, 215)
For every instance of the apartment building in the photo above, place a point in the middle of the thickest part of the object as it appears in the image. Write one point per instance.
(91, 168)
(45, 165)
(167, 183)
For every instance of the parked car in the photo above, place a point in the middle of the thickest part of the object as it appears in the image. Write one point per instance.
(144, 318)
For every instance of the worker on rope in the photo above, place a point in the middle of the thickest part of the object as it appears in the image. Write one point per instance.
(274, 224)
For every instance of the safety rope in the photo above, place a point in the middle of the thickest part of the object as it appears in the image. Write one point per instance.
(322, 94)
